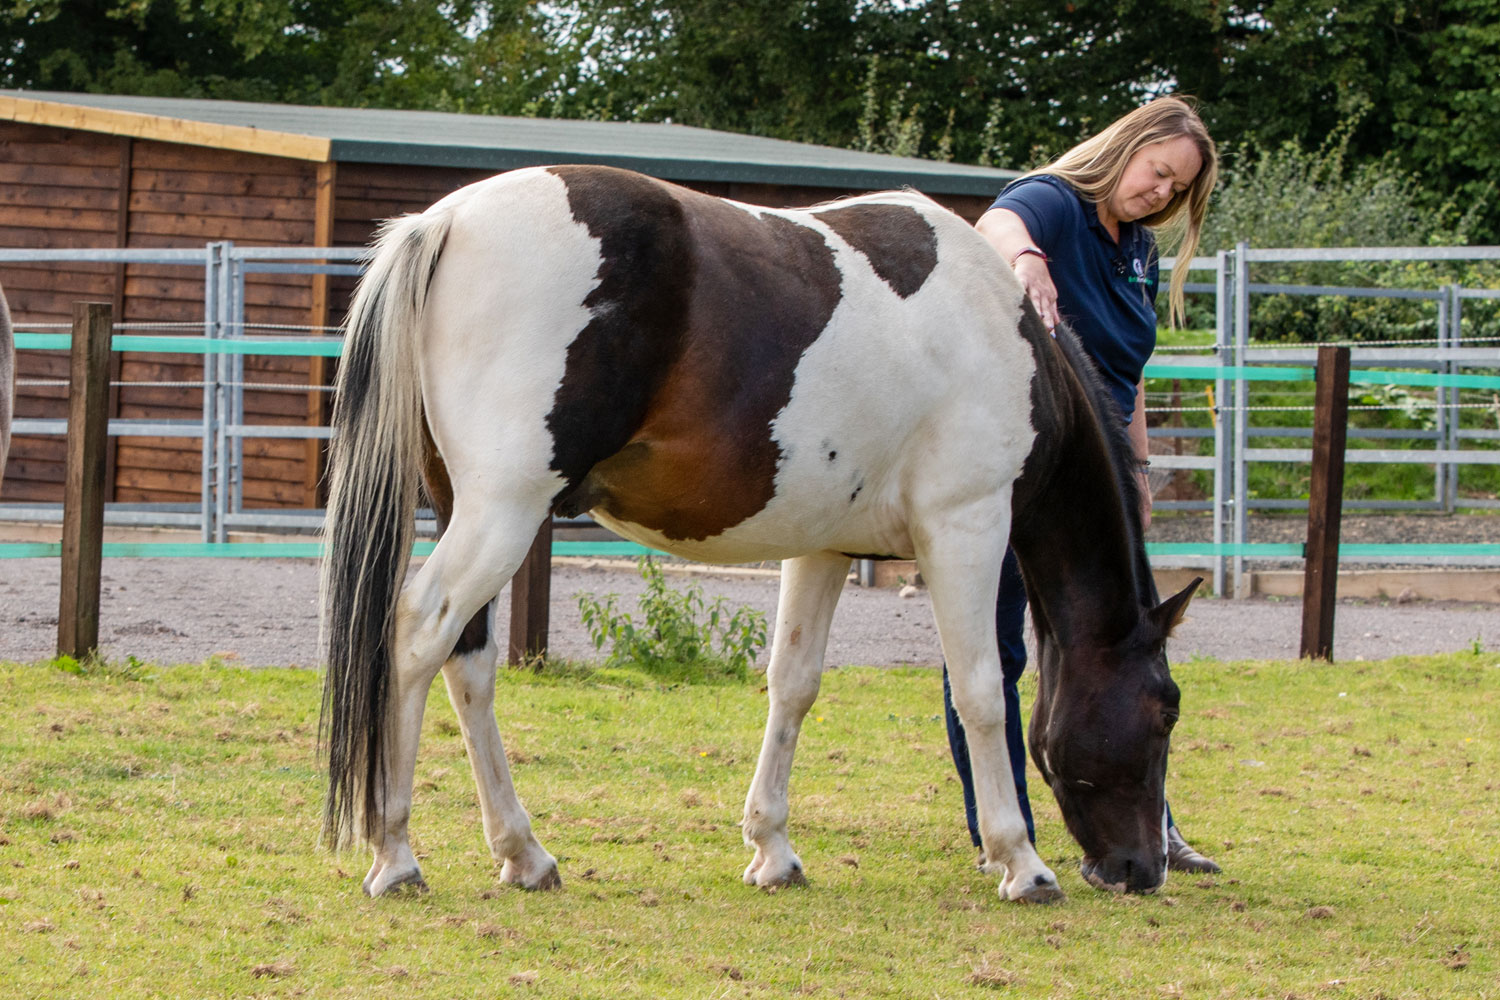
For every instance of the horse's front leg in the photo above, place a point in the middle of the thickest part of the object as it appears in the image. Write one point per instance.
(960, 561)
(810, 587)
(470, 677)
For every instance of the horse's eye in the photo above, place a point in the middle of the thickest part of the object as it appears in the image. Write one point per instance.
(1168, 719)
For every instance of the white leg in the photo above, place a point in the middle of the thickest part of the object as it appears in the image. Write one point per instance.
(810, 587)
(507, 828)
(471, 563)
(962, 568)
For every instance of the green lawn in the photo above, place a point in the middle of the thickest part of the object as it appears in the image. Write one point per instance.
(158, 838)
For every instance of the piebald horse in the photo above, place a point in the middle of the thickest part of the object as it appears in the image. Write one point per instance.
(733, 383)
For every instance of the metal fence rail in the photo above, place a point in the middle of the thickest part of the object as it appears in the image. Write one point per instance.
(1228, 371)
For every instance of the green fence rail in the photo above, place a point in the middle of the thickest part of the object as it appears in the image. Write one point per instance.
(332, 347)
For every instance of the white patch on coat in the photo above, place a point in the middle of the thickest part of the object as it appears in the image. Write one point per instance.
(505, 303)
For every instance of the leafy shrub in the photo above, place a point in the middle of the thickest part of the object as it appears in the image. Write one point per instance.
(1289, 197)
(674, 641)
(95, 665)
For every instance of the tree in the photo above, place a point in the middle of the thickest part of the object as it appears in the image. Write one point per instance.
(976, 80)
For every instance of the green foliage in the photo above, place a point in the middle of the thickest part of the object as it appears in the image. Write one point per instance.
(96, 666)
(1277, 71)
(680, 637)
(1289, 197)
(981, 82)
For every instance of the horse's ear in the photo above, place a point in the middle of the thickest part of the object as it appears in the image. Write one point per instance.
(1168, 614)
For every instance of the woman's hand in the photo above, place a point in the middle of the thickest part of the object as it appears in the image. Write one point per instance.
(1005, 231)
(1036, 281)
(1144, 481)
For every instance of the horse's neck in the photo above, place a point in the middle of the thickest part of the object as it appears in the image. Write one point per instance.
(1075, 541)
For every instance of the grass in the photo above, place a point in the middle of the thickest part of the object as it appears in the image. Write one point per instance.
(158, 828)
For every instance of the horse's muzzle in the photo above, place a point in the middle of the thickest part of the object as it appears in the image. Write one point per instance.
(1124, 873)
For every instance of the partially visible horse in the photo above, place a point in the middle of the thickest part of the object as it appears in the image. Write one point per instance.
(7, 381)
(732, 383)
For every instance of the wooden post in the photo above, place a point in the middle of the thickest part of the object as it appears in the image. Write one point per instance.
(83, 497)
(530, 599)
(1325, 503)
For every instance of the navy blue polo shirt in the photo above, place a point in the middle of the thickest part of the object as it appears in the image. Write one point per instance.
(1106, 291)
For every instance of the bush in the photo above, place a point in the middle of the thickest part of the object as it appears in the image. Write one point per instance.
(1289, 197)
(674, 642)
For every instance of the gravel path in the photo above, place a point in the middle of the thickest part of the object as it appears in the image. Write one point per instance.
(264, 612)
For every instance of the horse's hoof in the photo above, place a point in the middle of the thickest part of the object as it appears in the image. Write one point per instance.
(1042, 888)
(410, 882)
(757, 875)
(549, 882)
(545, 880)
(1043, 892)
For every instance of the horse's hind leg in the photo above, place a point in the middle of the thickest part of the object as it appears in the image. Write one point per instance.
(476, 555)
(470, 676)
(960, 561)
(810, 587)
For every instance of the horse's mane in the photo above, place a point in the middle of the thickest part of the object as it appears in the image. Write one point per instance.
(1120, 453)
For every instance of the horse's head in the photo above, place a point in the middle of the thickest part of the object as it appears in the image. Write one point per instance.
(1099, 735)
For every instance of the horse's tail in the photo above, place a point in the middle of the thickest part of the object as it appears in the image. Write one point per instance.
(373, 471)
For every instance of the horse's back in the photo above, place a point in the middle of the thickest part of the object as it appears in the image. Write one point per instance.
(737, 382)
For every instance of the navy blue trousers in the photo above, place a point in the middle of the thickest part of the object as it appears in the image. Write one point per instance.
(1010, 630)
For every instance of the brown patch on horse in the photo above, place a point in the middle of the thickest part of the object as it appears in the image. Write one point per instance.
(618, 362)
(899, 244)
(439, 486)
(753, 292)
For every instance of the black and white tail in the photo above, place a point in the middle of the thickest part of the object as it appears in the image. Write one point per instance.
(374, 473)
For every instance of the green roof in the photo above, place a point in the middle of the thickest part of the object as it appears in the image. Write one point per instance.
(442, 139)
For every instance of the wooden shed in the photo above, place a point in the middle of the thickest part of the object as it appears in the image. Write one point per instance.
(104, 171)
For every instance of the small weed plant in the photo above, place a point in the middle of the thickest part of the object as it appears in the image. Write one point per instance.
(680, 637)
(94, 665)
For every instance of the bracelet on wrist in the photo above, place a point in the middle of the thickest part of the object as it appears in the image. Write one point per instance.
(1033, 251)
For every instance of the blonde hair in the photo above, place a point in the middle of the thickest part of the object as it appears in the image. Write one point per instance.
(1094, 168)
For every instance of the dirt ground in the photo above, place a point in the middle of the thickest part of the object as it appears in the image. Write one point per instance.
(263, 612)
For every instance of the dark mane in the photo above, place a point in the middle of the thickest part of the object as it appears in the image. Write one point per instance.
(1121, 456)
(1064, 374)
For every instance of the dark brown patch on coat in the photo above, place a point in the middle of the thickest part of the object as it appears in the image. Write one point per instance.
(440, 494)
(748, 295)
(899, 244)
(618, 362)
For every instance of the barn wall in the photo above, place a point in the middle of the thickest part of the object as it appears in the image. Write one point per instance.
(58, 189)
(62, 188)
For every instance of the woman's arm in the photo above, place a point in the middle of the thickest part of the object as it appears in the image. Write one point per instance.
(1139, 444)
(1008, 235)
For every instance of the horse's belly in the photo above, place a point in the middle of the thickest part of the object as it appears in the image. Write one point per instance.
(796, 525)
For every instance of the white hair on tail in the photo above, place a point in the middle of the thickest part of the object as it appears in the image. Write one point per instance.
(374, 471)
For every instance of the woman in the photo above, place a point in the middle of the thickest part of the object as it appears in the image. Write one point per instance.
(1079, 234)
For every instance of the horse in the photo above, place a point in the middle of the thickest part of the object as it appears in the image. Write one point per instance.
(731, 383)
(7, 381)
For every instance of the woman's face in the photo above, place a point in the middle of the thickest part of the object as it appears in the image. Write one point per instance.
(1154, 175)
